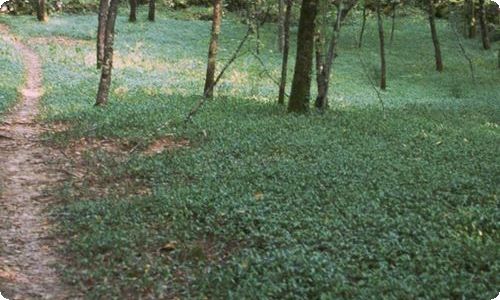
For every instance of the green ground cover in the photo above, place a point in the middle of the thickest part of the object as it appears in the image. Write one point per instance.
(358, 202)
(11, 75)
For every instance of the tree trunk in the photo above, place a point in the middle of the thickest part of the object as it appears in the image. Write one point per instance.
(101, 30)
(41, 12)
(300, 96)
(473, 20)
(484, 27)
(360, 43)
(383, 72)
(133, 11)
(281, 25)
(394, 4)
(286, 50)
(257, 35)
(105, 82)
(435, 40)
(213, 48)
(152, 8)
(325, 65)
(470, 19)
(319, 44)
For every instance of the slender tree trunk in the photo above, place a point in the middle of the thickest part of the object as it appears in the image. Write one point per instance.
(213, 48)
(394, 5)
(257, 35)
(301, 86)
(41, 12)
(383, 67)
(107, 66)
(360, 43)
(286, 50)
(319, 44)
(435, 40)
(281, 25)
(498, 58)
(101, 30)
(484, 27)
(133, 11)
(470, 19)
(152, 8)
(325, 67)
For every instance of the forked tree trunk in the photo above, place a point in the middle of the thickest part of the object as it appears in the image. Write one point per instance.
(363, 24)
(435, 40)
(105, 82)
(383, 67)
(152, 9)
(41, 12)
(133, 11)
(301, 86)
(281, 25)
(101, 30)
(213, 48)
(484, 27)
(286, 50)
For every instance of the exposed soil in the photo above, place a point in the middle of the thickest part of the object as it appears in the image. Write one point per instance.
(27, 250)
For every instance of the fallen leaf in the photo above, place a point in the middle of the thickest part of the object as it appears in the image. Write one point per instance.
(170, 246)
(258, 196)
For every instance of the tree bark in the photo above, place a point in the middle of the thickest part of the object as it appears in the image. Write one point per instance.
(363, 24)
(133, 11)
(101, 30)
(300, 96)
(324, 64)
(152, 9)
(213, 48)
(470, 19)
(484, 27)
(41, 12)
(498, 58)
(286, 50)
(107, 66)
(393, 17)
(281, 25)
(435, 40)
(383, 67)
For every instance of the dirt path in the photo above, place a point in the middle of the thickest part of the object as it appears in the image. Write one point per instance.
(27, 256)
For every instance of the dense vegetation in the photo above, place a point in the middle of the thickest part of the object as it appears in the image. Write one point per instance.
(395, 199)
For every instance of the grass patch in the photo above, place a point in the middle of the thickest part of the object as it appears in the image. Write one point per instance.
(11, 76)
(262, 204)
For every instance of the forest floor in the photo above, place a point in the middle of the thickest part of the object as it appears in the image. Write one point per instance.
(27, 254)
(398, 200)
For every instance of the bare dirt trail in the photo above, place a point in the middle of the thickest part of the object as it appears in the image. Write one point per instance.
(27, 254)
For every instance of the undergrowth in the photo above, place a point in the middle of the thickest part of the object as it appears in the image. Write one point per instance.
(358, 202)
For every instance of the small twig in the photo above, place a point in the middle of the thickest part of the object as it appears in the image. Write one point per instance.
(64, 154)
(464, 53)
(372, 83)
(266, 70)
(70, 173)
(235, 55)
(6, 137)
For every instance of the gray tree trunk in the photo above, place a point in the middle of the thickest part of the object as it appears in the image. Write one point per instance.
(107, 66)
(286, 51)
(101, 30)
(301, 86)
(213, 49)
